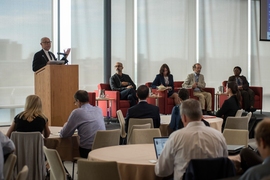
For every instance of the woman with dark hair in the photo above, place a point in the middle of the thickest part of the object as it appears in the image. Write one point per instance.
(232, 104)
(31, 119)
(165, 78)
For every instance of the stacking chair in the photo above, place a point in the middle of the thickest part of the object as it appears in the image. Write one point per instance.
(122, 125)
(210, 168)
(237, 123)
(236, 137)
(239, 113)
(144, 136)
(57, 170)
(138, 126)
(106, 138)
(249, 115)
(29, 151)
(138, 121)
(93, 170)
(103, 138)
(9, 166)
(23, 174)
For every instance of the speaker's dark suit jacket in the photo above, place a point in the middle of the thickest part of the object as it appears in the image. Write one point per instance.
(40, 60)
(143, 110)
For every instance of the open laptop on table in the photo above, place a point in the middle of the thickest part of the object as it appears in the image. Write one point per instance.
(159, 143)
(234, 149)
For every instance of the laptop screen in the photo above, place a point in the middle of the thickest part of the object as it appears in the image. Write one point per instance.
(159, 143)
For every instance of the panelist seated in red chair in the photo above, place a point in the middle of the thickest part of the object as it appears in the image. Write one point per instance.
(243, 86)
(196, 81)
(165, 78)
(143, 109)
(123, 83)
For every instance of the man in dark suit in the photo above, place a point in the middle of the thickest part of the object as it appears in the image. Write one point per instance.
(243, 86)
(44, 56)
(143, 109)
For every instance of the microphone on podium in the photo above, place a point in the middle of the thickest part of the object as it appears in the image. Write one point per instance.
(65, 55)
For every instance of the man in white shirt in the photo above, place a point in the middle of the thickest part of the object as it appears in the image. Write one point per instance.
(194, 141)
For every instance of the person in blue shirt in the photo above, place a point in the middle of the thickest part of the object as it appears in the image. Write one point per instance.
(262, 136)
(176, 121)
(176, 117)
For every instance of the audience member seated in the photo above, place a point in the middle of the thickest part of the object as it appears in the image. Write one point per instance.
(87, 119)
(143, 109)
(165, 78)
(262, 136)
(231, 105)
(31, 119)
(176, 121)
(243, 86)
(196, 82)
(195, 141)
(6, 147)
(122, 82)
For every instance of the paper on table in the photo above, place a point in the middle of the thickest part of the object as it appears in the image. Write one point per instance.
(208, 116)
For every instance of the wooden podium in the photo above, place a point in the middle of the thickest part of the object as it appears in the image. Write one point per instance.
(56, 86)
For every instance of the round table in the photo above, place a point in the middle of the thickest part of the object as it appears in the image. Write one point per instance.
(215, 122)
(133, 160)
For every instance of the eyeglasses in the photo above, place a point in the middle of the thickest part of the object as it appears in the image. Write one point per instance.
(117, 66)
(47, 42)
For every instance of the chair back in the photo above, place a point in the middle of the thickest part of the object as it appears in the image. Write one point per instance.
(29, 151)
(57, 169)
(139, 121)
(92, 98)
(137, 126)
(236, 123)
(23, 174)
(93, 170)
(105, 138)
(249, 115)
(144, 136)
(236, 136)
(122, 123)
(239, 113)
(210, 168)
(104, 86)
(9, 167)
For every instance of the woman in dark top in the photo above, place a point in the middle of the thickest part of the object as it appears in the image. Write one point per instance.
(165, 78)
(232, 104)
(31, 119)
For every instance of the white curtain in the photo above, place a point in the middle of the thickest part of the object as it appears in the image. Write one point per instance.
(223, 39)
(87, 41)
(122, 32)
(166, 34)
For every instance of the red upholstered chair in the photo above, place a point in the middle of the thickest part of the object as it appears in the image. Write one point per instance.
(258, 91)
(166, 104)
(207, 89)
(116, 104)
(92, 98)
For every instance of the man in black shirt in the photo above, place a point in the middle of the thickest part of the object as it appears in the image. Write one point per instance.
(122, 82)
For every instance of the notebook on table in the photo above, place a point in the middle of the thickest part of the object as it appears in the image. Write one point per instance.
(159, 143)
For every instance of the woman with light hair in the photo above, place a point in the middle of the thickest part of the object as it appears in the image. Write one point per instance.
(31, 119)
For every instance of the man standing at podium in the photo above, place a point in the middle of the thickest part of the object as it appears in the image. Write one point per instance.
(44, 56)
